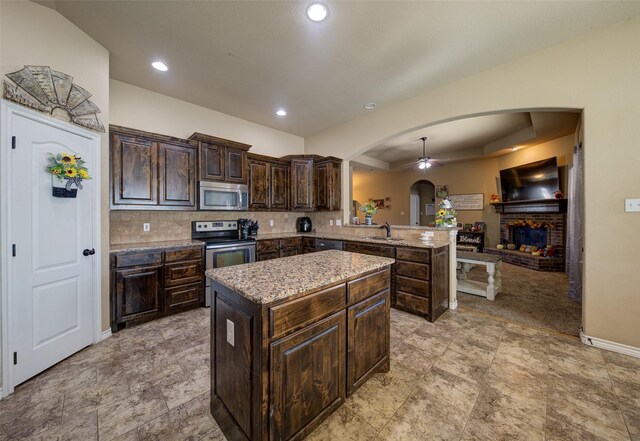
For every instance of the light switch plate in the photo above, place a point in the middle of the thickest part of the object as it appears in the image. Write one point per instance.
(271, 222)
(331, 222)
(231, 334)
(338, 223)
(146, 226)
(632, 205)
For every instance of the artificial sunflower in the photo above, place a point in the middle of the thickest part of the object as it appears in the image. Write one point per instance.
(441, 213)
(84, 174)
(71, 172)
(67, 159)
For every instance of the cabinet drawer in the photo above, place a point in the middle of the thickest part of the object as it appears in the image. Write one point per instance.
(268, 255)
(183, 254)
(290, 242)
(181, 273)
(367, 286)
(414, 255)
(289, 252)
(412, 269)
(374, 250)
(413, 286)
(183, 296)
(133, 259)
(412, 303)
(268, 245)
(299, 313)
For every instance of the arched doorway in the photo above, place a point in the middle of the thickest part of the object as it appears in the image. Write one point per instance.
(422, 203)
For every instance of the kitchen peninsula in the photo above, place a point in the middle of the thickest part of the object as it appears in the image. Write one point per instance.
(293, 337)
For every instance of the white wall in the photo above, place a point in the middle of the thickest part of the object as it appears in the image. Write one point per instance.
(597, 72)
(31, 34)
(142, 109)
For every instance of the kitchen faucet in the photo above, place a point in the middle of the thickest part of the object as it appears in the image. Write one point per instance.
(387, 227)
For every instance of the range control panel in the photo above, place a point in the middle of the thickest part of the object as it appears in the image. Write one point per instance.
(205, 226)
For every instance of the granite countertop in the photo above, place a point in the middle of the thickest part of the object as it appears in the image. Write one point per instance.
(414, 243)
(271, 280)
(150, 246)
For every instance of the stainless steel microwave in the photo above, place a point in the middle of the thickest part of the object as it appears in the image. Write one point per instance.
(222, 196)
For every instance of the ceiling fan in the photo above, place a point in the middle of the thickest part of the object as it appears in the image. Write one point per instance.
(424, 162)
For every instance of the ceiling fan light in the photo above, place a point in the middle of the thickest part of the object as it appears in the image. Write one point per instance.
(427, 164)
(422, 165)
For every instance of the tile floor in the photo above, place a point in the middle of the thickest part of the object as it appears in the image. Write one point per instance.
(466, 377)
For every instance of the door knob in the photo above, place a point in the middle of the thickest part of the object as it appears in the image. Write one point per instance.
(88, 252)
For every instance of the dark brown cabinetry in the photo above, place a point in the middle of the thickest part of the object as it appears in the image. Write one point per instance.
(307, 377)
(308, 245)
(422, 281)
(151, 171)
(221, 159)
(268, 183)
(267, 249)
(328, 184)
(148, 285)
(302, 194)
(291, 363)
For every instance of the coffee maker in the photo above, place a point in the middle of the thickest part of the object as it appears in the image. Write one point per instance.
(304, 225)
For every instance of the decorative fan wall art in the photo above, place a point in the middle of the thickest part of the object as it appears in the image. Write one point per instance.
(47, 90)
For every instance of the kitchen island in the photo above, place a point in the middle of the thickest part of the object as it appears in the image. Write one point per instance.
(291, 338)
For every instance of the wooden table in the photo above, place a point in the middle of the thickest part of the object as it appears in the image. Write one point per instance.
(489, 289)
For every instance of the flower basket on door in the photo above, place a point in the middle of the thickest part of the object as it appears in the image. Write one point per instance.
(67, 171)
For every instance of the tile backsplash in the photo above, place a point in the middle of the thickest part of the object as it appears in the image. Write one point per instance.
(127, 226)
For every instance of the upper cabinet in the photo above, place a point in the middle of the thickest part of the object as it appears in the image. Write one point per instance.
(221, 159)
(302, 188)
(327, 174)
(151, 172)
(268, 183)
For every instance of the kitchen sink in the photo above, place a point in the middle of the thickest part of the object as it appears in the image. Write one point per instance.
(382, 239)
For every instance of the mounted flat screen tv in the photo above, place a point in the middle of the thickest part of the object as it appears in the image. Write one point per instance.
(536, 180)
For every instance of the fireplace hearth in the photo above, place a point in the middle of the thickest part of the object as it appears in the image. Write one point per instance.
(551, 214)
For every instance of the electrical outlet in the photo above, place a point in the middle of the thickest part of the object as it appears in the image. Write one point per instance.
(402, 213)
(271, 222)
(331, 222)
(146, 226)
(231, 334)
(338, 223)
(632, 205)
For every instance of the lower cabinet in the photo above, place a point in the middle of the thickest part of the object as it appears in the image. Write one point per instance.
(267, 249)
(149, 285)
(369, 340)
(138, 293)
(307, 377)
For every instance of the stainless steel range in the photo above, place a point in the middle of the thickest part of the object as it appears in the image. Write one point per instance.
(223, 246)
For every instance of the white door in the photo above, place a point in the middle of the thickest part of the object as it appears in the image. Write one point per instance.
(414, 209)
(50, 280)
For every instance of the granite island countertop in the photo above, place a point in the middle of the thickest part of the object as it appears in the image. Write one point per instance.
(414, 243)
(151, 246)
(278, 279)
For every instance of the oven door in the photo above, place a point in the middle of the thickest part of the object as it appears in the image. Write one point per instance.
(218, 196)
(221, 255)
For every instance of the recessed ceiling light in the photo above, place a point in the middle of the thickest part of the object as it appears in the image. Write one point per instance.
(281, 112)
(370, 106)
(317, 12)
(514, 148)
(160, 66)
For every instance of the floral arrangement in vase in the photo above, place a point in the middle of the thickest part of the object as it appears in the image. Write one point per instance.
(369, 209)
(446, 216)
(67, 170)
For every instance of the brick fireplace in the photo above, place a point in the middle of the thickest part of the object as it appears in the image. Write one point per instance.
(542, 212)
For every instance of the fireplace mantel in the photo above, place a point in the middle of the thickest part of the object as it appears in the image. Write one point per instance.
(532, 206)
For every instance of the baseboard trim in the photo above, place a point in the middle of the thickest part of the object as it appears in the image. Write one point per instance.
(106, 334)
(610, 345)
(1, 394)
